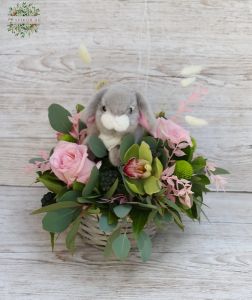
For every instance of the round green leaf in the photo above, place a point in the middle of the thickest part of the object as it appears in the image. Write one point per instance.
(58, 221)
(122, 210)
(58, 118)
(144, 245)
(121, 246)
(97, 146)
(104, 224)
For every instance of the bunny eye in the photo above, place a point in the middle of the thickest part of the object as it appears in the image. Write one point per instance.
(104, 108)
(131, 109)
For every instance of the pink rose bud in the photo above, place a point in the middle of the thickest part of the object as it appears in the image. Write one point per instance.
(69, 162)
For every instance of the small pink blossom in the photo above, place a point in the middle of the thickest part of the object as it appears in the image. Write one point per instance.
(177, 188)
(69, 162)
(167, 130)
(219, 181)
(75, 131)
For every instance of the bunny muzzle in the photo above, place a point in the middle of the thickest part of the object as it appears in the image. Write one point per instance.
(112, 122)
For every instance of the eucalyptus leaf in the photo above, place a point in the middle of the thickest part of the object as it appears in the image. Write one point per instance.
(58, 118)
(122, 210)
(104, 224)
(58, 221)
(144, 245)
(121, 246)
(97, 146)
(108, 248)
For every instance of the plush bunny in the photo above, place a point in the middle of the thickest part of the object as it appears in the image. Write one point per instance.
(114, 112)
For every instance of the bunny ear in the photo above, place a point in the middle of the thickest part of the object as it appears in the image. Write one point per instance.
(88, 115)
(146, 116)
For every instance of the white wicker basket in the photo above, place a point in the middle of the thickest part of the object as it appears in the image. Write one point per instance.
(92, 235)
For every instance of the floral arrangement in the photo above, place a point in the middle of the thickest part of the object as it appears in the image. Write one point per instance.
(159, 179)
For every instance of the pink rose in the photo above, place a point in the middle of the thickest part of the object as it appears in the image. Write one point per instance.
(69, 162)
(168, 130)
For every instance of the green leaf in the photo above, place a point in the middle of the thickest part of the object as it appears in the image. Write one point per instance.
(112, 237)
(112, 189)
(198, 164)
(172, 205)
(144, 246)
(122, 210)
(88, 199)
(97, 146)
(56, 206)
(151, 185)
(58, 221)
(49, 182)
(163, 158)
(121, 246)
(78, 186)
(58, 118)
(112, 218)
(139, 218)
(52, 235)
(131, 152)
(220, 171)
(126, 143)
(157, 168)
(135, 186)
(69, 196)
(93, 179)
(200, 179)
(151, 142)
(177, 219)
(70, 238)
(145, 152)
(145, 205)
(67, 138)
(79, 108)
(104, 224)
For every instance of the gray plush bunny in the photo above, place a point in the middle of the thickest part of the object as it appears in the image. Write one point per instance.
(114, 112)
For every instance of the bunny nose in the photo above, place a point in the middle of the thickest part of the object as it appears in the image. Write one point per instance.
(118, 123)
